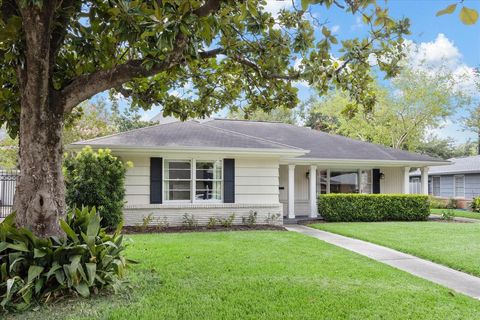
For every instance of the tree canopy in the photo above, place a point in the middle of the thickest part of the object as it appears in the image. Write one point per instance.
(413, 104)
(225, 50)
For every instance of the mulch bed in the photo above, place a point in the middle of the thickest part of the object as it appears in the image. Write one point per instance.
(154, 229)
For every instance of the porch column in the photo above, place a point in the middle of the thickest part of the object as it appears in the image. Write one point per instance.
(424, 180)
(312, 179)
(406, 180)
(291, 191)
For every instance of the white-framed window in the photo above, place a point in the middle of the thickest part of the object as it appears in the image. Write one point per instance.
(344, 181)
(459, 186)
(208, 180)
(192, 180)
(177, 180)
(436, 186)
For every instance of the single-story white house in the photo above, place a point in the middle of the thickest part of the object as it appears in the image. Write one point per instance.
(219, 167)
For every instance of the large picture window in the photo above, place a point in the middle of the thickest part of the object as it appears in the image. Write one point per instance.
(193, 180)
(344, 182)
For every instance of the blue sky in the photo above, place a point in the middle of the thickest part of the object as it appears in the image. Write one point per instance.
(437, 37)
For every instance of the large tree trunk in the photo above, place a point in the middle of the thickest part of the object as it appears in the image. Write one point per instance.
(40, 196)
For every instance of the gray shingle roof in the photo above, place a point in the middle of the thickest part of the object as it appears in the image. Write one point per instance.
(321, 145)
(222, 133)
(459, 165)
(184, 134)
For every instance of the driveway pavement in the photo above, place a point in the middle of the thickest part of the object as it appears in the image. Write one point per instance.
(450, 278)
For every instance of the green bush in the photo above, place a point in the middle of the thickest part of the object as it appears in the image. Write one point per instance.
(475, 205)
(436, 203)
(35, 270)
(373, 207)
(96, 179)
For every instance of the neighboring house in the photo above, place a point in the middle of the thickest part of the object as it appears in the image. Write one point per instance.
(459, 180)
(217, 167)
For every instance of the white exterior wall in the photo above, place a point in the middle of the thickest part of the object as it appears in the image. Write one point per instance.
(256, 189)
(393, 180)
(302, 203)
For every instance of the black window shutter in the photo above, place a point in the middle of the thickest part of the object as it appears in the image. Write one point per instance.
(229, 180)
(156, 173)
(376, 181)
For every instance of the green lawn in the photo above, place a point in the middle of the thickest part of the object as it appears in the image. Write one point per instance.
(261, 275)
(459, 213)
(456, 245)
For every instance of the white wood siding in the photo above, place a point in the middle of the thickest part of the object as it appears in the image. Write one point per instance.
(256, 180)
(393, 181)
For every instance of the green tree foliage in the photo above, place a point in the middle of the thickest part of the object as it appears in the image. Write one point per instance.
(89, 120)
(281, 114)
(226, 49)
(446, 148)
(415, 102)
(94, 119)
(8, 153)
(96, 179)
(468, 16)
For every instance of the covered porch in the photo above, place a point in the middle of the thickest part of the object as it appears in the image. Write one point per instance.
(298, 190)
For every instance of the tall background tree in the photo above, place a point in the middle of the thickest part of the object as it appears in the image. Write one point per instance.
(412, 105)
(55, 54)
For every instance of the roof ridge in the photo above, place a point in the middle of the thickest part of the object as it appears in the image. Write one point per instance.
(128, 131)
(249, 136)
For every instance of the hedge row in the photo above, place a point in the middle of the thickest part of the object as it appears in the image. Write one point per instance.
(373, 207)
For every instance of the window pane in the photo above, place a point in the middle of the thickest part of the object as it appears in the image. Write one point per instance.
(459, 186)
(344, 182)
(209, 169)
(322, 181)
(208, 190)
(177, 169)
(177, 190)
(436, 186)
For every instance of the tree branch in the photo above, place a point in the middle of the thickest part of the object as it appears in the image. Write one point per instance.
(209, 7)
(263, 74)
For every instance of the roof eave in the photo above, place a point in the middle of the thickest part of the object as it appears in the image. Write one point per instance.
(284, 153)
(353, 162)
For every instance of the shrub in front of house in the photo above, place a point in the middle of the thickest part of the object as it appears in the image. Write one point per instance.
(35, 270)
(96, 179)
(436, 203)
(475, 205)
(373, 207)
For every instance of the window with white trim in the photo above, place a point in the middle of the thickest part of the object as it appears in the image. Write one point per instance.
(459, 186)
(201, 178)
(177, 181)
(436, 186)
(208, 183)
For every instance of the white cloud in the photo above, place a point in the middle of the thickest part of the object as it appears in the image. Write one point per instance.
(434, 53)
(441, 55)
(335, 28)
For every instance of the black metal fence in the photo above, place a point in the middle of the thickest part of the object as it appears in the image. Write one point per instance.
(8, 182)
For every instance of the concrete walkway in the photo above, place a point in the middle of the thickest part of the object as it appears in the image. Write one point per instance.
(453, 279)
